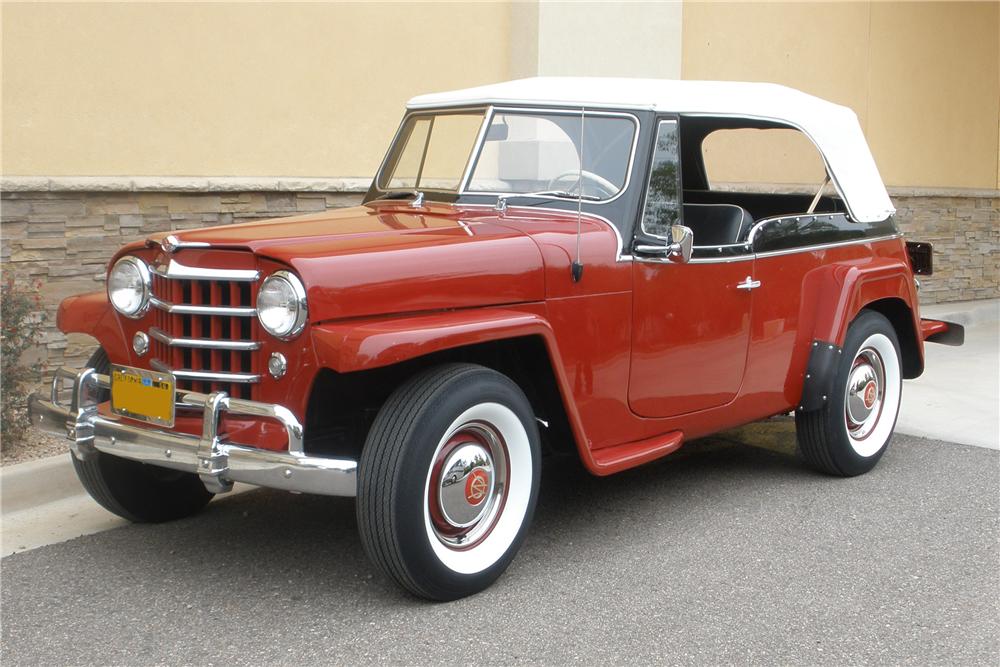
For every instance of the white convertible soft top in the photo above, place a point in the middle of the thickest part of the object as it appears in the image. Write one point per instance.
(833, 128)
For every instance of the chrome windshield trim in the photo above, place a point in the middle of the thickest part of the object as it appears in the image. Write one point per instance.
(476, 147)
(174, 270)
(202, 343)
(205, 376)
(190, 309)
(407, 114)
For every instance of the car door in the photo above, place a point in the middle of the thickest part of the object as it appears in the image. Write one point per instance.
(691, 320)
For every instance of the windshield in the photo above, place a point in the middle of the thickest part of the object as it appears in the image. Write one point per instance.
(432, 152)
(520, 153)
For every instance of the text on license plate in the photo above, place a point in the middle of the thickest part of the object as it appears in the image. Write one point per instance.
(144, 395)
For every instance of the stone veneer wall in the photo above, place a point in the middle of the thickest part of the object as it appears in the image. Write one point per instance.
(63, 239)
(965, 233)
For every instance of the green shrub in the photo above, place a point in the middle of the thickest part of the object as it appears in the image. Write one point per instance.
(20, 328)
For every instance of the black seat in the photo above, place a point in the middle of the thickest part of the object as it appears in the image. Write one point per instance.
(717, 224)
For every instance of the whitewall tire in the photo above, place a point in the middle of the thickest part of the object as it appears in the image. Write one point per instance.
(851, 432)
(448, 480)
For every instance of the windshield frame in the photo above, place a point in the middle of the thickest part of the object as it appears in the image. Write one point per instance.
(489, 111)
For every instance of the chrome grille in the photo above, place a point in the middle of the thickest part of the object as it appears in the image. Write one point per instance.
(205, 328)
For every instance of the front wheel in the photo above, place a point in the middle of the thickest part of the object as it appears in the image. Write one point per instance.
(849, 434)
(448, 480)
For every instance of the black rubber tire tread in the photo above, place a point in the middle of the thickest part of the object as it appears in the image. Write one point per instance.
(135, 491)
(380, 472)
(821, 438)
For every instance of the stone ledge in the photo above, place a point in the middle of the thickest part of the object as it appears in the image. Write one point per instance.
(302, 184)
(181, 184)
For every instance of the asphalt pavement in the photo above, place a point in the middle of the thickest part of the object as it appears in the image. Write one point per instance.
(721, 553)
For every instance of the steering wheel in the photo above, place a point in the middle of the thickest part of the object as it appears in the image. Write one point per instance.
(606, 187)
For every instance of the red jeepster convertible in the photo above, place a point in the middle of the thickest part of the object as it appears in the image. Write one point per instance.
(537, 262)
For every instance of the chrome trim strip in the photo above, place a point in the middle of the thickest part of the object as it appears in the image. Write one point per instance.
(759, 224)
(824, 246)
(174, 270)
(476, 148)
(772, 253)
(694, 260)
(189, 309)
(202, 343)
(559, 112)
(218, 462)
(722, 260)
(399, 130)
(205, 376)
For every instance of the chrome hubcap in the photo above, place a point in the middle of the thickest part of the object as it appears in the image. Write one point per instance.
(468, 485)
(865, 393)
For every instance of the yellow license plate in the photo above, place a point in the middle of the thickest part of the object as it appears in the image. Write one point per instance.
(144, 395)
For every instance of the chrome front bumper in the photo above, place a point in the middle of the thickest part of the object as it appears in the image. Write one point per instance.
(71, 411)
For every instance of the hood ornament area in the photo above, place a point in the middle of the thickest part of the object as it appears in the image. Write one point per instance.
(171, 244)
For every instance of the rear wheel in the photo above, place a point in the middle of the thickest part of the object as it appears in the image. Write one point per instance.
(448, 480)
(851, 432)
(136, 491)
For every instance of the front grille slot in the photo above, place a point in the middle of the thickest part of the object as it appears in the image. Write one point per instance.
(205, 331)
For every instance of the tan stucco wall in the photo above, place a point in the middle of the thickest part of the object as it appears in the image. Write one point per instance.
(280, 89)
(924, 78)
(230, 89)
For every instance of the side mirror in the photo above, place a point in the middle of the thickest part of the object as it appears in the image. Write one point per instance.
(678, 250)
(683, 244)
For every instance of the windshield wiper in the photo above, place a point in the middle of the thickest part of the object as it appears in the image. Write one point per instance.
(398, 194)
(418, 196)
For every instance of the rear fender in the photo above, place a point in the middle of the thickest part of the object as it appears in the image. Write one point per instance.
(832, 297)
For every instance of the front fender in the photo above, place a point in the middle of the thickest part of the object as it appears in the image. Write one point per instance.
(362, 345)
(92, 314)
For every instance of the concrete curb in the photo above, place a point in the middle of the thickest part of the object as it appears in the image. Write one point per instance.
(34, 483)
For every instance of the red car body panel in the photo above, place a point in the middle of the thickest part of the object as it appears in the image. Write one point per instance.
(645, 354)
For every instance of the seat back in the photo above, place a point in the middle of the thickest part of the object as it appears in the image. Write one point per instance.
(717, 224)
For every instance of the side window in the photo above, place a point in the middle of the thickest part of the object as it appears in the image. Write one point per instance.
(663, 202)
(751, 160)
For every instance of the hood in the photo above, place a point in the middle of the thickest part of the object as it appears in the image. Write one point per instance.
(389, 258)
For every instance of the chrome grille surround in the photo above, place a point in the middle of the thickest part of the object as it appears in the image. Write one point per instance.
(205, 328)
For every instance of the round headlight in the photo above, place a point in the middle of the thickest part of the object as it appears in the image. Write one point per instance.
(281, 305)
(128, 286)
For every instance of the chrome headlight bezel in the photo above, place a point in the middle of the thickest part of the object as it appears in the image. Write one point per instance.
(130, 262)
(296, 293)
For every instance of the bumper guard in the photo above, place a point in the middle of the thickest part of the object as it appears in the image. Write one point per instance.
(71, 411)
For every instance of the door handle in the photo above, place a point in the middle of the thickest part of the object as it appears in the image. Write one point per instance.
(748, 284)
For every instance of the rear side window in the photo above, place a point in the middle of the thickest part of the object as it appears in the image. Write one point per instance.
(749, 159)
(662, 207)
